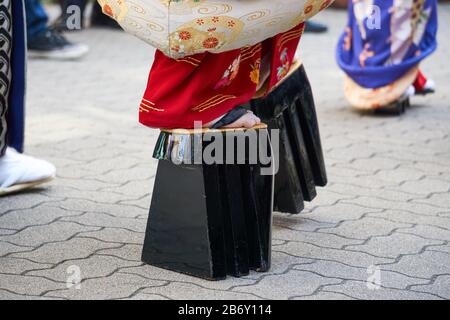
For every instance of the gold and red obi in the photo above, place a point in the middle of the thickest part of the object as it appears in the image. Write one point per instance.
(205, 86)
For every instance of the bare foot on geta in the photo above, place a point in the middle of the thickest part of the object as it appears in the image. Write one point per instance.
(248, 121)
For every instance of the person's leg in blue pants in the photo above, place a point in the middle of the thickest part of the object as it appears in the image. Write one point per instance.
(37, 18)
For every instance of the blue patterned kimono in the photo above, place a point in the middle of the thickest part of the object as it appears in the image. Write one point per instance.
(384, 39)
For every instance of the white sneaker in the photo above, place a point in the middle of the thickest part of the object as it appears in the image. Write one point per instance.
(19, 172)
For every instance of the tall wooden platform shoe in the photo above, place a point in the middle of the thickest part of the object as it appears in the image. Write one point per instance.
(211, 209)
(290, 109)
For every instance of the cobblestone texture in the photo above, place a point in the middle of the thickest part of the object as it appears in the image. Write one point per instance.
(387, 204)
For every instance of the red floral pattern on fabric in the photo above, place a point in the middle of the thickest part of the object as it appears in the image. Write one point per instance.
(185, 35)
(107, 10)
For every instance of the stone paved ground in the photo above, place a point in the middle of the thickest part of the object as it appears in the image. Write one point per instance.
(387, 205)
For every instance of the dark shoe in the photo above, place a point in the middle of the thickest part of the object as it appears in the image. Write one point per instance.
(396, 108)
(427, 87)
(314, 27)
(49, 44)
